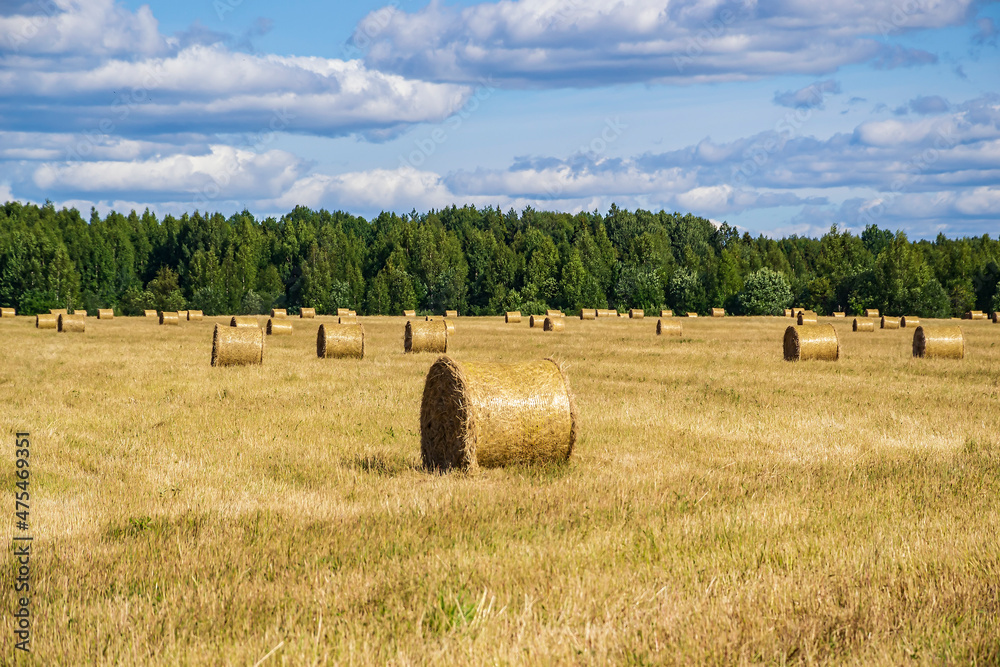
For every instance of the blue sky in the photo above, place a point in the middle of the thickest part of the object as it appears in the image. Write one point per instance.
(778, 116)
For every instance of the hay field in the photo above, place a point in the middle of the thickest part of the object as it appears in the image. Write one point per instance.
(721, 505)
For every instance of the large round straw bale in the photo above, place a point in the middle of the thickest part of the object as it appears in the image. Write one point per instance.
(890, 322)
(307, 313)
(279, 312)
(451, 326)
(409, 313)
(170, 318)
(237, 346)
(425, 336)
(535, 321)
(789, 312)
(451, 313)
(871, 312)
(496, 414)
(105, 314)
(554, 324)
(71, 323)
(45, 321)
(150, 313)
(692, 314)
(182, 315)
(195, 316)
(343, 311)
(806, 317)
(946, 342)
(815, 342)
(666, 313)
(636, 314)
(588, 313)
(340, 341)
(718, 312)
(606, 312)
(668, 328)
(909, 321)
(512, 317)
(839, 313)
(277, 326)
(554, 313)
(247, 322)
(7, 312)
(979, 315)
(61, 311)
(863, 324)
(347, 319)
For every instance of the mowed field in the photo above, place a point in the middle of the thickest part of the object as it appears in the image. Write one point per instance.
(721, 505)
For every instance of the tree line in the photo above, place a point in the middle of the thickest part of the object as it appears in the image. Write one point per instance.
(476, 261)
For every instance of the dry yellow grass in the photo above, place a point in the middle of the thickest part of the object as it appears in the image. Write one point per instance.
(175, 523)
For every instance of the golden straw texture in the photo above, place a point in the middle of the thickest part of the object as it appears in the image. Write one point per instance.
(495, 414)
(863, 324)
(945, 342)
(450, 324)
(425, 336)
(807, 317)
(195, 316)
(170, 318)
(237, 346)
(909, 321)
(347, 319)
(535, 321)
(839, 313)
(62, 311)
(343, 311)
(588, 313)
(871, 312)
(789, 312)
(409, 313)
(718, 312)
(692, 314)
(45, 321)
(279, 327)
(71, 323)
(890, 322)
(512, 317)
(340, 341)
(554, 324)
(606, 312)
(307, 313)
(249, 322)
(150, 313)
(668, 328)
(451, 313)
(182, 315)
(817, 342)
(105, 314)
(278, 313)
(636, 314)
(554, 313)
(7, 312)
(666, 313)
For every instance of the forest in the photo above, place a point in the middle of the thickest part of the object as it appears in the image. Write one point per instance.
(476, 261)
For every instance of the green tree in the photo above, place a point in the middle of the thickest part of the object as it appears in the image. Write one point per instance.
(765, 292)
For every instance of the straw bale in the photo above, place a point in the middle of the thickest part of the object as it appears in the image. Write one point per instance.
(495, 414)
(45, 321)
(692, 315)
(554, 313)
(636, 314)
(863, 324)
(61, 311)
(666, 313)
(945, 342)
(150, 313)
(105, 314)
(588, 313)
(668, 328)
(451, 313)
(247, 322)
(871, 312)
(343, 311)
(347, 319)
(7, 312)
(890, 322)
(451, 326)
(279, 312)
(340, 341)
(839, 313)
(606, 312)
(277, 326)
(71, 323)
(195, 316)
(718, 312)
(427, 336)
(307, 313)
(237, 346)
(909, 321)
(554, 324)
(170, 318)
(818, 342)
(409, 313)
(182, 315)
(806, 317)
(996, 318)
(789, 312)
(535, 321)
(512, 317)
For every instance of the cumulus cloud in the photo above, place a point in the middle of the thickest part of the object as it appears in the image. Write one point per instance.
(812, 96)
(592, 42)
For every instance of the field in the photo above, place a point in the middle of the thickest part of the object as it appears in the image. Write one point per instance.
(721, 505)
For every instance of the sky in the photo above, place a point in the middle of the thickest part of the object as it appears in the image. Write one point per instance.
(779, 117)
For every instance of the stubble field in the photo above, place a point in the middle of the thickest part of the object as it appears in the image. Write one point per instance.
(721, 505)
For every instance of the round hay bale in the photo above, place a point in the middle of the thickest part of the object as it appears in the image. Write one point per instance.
(606, 312)
(170, 318)
(353, 312)
(496, 414)
(945, 342)
(45, 321)
(279, 312)
(512, 317)
(278, 327)
(996, 318)
(343, 311)
(347, 319)
(890, 322)
(409, 313)
(307, 313)
(668, 328)
(248, 322)
(718, 312)
(61, 311)
(427, 336)
(7, 312)
(863, 324)
(692, 315)
(340, 341)
(451, 313)
(182, 315)
(535, 321)
(554, 313)
(451, 326)
(554, 324)
(909, 321)
(636, 314)
(817, 342)
(979, 315)
(666, 313)
(71, 323)
(237, 346)
(195, 316)
(871, 312)
(105, 314)
(588, 313)
(839, 313)
(806, 317)
(789, 312)
(150, 313)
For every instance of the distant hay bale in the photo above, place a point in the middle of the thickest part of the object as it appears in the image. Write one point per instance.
(789, 312)
(535, 321)
(976, 315)
(946, 342)
(996, 318)
(45, 321)
(7, 312)
(150, 313)
(666, 313)
(451, 313)
(427, 336)
(668, 328)
(806, 317)
(353, 312)
(909, 321)
(588, 313)
(718, 312)
(692, 315)
(279, 327)
(512, 317)
(890, 322)
(347, 319)
(195, 316)
(817, 342)
(61, 311)
(237, 346)
(71, 324)
(248, 322)
(182, 315)
(554, 313)
(554, 324)
(606, 312)
(307, 313)
(279, 312)
(171, 318)
(871, 312)
(636, 314)
(451, 326)
(863, 324)
(343, 311)
(105, 314)
(409, 313)
(839, 313)
(496, 414)
(340, 341)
